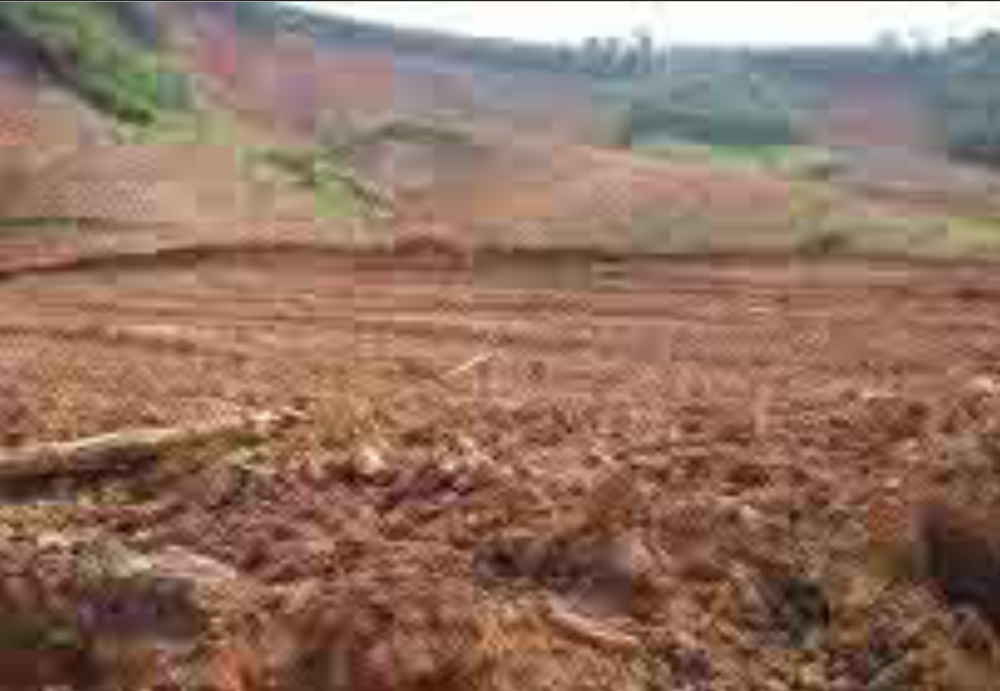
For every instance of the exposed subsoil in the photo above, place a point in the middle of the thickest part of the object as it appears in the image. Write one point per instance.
(516, 473)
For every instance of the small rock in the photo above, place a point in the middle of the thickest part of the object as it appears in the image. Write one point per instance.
(370, 464)
(984, 386)
(749, 517)
(893, 485)
(813, 678)
(55, 541)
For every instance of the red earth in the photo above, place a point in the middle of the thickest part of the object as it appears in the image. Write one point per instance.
(554, 470)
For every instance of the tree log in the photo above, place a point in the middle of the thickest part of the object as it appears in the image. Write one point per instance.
(131, 449)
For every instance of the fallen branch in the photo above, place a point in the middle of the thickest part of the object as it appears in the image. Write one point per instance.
(590, 632)
(469, 367)
(133, 448)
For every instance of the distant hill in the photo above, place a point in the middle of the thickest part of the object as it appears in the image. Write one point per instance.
(228, 121)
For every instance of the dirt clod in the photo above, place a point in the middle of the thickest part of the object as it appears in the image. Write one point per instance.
(962, 556)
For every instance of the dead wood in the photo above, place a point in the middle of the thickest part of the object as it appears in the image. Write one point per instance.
(132, 449)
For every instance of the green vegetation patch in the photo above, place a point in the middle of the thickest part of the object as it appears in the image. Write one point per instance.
(421, 133)
(314, 172)
(86, 45)
(972, 236)
(796, 161)
(204, 125)
(52, 223)
(726, 109)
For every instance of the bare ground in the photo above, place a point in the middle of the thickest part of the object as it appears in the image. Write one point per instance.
(530, 471)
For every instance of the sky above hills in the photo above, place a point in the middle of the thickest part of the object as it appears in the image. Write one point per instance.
(684, 21)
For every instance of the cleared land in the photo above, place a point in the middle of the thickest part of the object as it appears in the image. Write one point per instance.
(555, 469)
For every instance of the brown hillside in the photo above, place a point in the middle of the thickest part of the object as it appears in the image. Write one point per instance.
(153, 185)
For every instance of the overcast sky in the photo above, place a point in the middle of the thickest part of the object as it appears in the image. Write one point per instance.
(683, 21)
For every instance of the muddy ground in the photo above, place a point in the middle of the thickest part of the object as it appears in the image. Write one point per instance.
(507, 473)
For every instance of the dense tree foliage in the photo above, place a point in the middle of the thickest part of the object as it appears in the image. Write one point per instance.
(967, 92)
(724, 107)
(98, 50)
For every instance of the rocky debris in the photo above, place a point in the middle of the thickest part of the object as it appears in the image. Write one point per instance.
(427, 485)
(609, 573)
(872, 420)
(594, 556)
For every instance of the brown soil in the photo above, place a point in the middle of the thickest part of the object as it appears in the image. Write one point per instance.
(521, 471)
(874, 113)
(540, 193)
(179, 185)
(885, 134)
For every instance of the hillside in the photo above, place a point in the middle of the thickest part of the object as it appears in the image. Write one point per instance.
(336, 357)
(311, 127)
(106, 127)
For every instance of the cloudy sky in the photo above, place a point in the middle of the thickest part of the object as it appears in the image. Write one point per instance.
(683, 21)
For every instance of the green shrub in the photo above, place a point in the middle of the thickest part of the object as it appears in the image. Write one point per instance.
(85, 45)
(316, 172)
(305, 169)
(721, 109)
